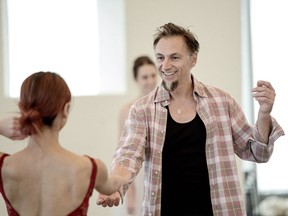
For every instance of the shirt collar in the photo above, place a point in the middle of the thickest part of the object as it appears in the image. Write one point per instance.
(163, 96)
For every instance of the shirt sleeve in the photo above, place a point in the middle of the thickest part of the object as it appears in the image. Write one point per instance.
(131, 146)
(246, 138)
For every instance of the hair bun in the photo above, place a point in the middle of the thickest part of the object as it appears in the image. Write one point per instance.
(30, 121)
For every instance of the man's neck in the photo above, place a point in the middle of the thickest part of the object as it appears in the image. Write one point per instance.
(183, 90)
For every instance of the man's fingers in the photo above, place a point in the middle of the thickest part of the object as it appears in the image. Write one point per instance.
(107, 202)
(99, 201)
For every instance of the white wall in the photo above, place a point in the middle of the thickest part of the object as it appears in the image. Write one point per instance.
(93, 125)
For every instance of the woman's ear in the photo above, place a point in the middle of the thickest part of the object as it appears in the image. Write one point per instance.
(64, 115)
(66, 110)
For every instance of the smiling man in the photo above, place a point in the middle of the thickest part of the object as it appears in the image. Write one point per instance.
(188, 134)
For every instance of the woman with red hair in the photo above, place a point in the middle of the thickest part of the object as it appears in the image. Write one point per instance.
(44, 178)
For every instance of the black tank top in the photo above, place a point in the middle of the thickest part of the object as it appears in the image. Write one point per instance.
(185, 181)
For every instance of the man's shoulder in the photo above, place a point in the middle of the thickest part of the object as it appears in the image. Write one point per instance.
(214, 91)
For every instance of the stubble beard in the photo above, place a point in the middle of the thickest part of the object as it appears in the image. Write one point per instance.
(171, 86)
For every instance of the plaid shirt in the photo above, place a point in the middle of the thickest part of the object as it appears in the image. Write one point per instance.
(228, 133)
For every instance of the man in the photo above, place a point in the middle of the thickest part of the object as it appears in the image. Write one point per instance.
(188, 134)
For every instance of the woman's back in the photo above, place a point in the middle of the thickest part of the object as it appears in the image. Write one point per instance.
(45, 179)
(50, 183)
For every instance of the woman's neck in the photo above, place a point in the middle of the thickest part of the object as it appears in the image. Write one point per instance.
(45, 140)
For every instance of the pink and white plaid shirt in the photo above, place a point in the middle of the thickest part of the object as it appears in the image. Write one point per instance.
(228, 133)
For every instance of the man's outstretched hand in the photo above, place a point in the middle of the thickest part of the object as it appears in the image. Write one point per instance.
(112, 200)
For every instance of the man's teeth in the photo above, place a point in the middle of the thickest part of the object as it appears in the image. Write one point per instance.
(169, 74)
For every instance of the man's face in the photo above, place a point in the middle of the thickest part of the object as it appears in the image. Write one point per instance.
(173, 61)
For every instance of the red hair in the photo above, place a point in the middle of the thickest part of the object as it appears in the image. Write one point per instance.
(43, 95)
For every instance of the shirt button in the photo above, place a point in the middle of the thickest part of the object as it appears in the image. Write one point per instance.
(152, 194)
(162, 131)
(150, 214)
(156, 172)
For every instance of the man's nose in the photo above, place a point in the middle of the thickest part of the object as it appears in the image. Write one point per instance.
(166, 64)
